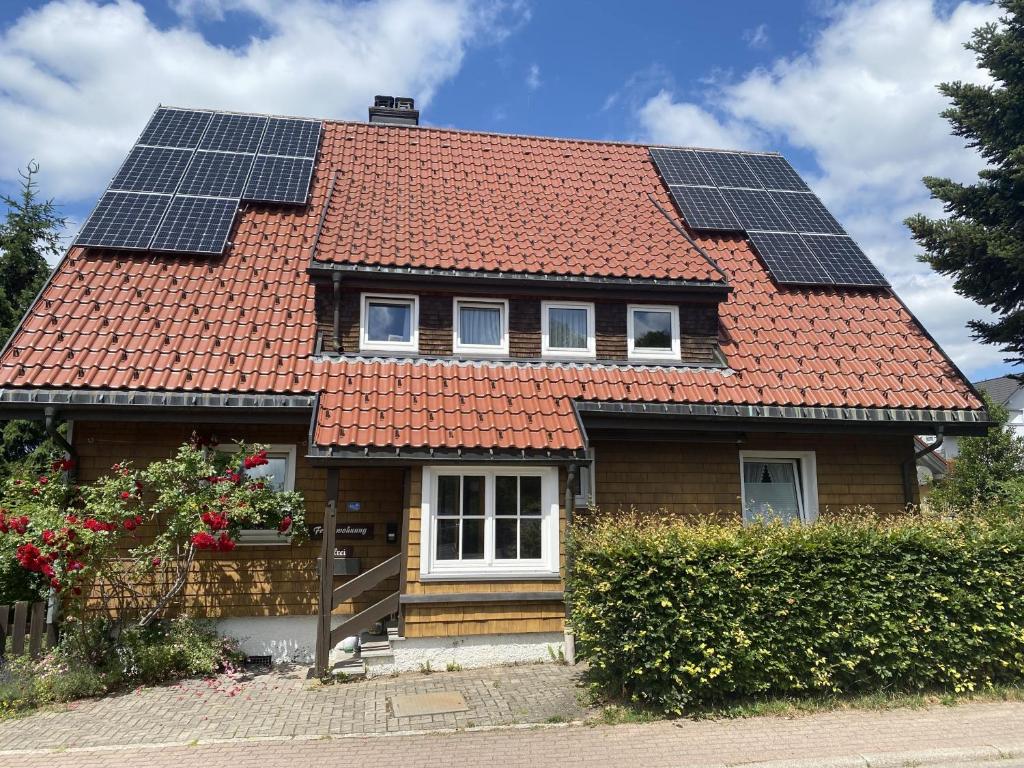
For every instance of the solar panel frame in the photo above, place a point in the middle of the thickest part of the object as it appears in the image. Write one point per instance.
(123, 220)
(845, 261)
(775, 172)
(151, 169)
(291, 137)
(728, 169)
(704, 208)
(806, 213)
(680, 166)
(233, 132)
(180, 128)
(789, 259)
(217, 174)
(755, 209)
(276, 179)
(199, 225)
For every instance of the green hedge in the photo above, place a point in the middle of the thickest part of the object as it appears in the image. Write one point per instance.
(672, 615)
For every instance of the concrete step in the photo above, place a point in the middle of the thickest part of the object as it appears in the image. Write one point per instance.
(350, 667)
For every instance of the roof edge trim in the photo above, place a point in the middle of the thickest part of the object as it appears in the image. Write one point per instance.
(21, 400)
(407, 454)
(318, 266)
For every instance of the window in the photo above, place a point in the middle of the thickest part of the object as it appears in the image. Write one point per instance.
(389, 323)
(567, 329)
(584, 487)
(779, 485)
(653, 332)
(279, 474)
(489, 523)
(481, 327)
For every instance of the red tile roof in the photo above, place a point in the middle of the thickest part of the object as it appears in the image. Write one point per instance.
(245, 322)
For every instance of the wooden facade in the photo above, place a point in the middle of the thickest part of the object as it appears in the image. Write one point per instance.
(679, 477)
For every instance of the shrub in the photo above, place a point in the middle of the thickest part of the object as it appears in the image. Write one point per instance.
(672, 615)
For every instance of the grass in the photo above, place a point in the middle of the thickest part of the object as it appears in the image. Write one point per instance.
(617, 713)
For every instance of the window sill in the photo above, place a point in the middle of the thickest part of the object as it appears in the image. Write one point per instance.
(495, 575)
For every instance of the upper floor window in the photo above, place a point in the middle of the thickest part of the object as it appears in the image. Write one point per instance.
(389, 323)
(567, 329)
(481, 326)
(653, 332)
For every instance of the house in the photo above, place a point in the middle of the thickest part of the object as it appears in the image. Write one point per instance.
(454, 341)
(1005, 391)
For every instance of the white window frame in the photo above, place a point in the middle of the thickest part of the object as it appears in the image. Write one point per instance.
(807, 466)
(262, 537)
(367, 345)
(488, 569)
(653, 354)
(480, 349)
(548, 351)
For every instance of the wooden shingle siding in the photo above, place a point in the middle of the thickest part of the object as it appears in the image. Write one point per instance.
(698, 324)
(276, 580)
(694, 478)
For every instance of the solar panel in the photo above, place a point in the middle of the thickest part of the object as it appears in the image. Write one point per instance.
(704, 208)
(789, 259)
(279, 180)
(123, 220)
(680, 166)
(844, 261)
(728, 169)
(152, 169)
(775, 173)
(229, 132)
(806, 213)
(217, 174)
(196, 225)
(291, 137)
(754, 209)
(175, 128)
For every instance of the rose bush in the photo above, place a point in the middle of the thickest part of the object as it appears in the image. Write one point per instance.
(139, 531)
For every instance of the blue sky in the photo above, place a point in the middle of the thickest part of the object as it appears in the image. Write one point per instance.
(844, 89)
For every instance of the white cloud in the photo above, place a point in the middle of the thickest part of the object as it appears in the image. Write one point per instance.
(533, 81)
(79, 78)
(755, 38)
(863, 102)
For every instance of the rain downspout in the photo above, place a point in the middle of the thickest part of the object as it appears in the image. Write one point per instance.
(910, 467)
(336, 280)
(53, 602)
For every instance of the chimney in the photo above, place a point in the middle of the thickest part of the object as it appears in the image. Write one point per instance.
(394, 110)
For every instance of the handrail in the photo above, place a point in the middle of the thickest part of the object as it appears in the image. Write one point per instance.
(368, 580)
(365, 619)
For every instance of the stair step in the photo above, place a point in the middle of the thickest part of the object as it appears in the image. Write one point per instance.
(375, 646)
(349, 668)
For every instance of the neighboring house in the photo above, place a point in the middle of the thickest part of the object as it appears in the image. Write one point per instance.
(1003, 390)
(458, 340)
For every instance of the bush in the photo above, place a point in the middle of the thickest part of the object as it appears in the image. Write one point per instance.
(93, 658)
(674, 615)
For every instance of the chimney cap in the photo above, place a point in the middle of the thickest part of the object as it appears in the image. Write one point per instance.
(394, 110)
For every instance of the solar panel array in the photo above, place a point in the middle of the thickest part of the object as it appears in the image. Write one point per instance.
(761, 195)
(181, 185)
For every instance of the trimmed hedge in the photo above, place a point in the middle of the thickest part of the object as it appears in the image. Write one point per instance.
(673, 614)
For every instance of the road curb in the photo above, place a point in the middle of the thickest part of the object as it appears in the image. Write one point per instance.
(987, 753)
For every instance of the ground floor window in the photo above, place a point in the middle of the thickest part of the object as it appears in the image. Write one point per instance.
(487, 522)
(279, 474)
(779, 485)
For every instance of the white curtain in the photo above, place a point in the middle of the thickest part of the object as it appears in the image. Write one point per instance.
(567, 328)
(480, 325)
(770, 491)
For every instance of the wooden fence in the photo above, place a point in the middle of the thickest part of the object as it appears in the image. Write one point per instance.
(25, 624)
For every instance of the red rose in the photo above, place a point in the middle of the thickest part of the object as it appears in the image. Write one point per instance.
(129, 524)
(225, 543)
(285, 524)
(125, 495)
(48, 537)
(72, 519)
(203, 540)
(77, 590)
(75, 565)
(47, 570)
(156, 562)
(43, 479)
(138, 519)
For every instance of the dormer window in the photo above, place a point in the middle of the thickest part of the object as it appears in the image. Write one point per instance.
(567, 329)
(389, 323)
(481, 327)
(653, 332)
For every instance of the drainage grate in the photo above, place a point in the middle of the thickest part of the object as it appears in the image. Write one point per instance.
(258, 661)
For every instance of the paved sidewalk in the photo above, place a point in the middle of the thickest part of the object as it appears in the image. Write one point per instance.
(947, 736)
(288, 705)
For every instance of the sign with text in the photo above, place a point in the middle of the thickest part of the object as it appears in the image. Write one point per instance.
(343, 530)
